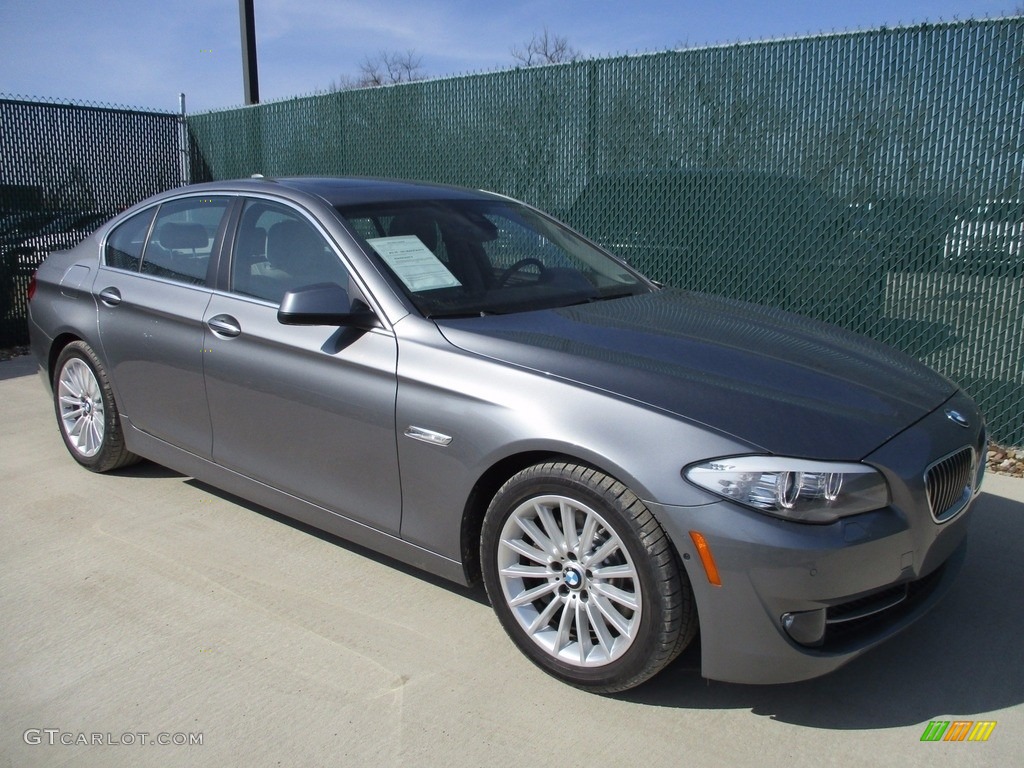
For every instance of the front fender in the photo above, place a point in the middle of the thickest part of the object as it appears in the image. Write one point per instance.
(493, 411)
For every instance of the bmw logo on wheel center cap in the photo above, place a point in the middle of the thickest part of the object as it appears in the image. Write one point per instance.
(573, 578)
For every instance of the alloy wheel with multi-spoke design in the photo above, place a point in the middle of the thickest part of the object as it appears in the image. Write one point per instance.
(86, 412)
(569, 580)
(583, 578)
(80, 402)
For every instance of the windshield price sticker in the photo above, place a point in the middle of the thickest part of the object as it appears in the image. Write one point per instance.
(414, 263)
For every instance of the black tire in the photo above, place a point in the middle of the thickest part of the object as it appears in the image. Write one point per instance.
(567, 605)
(80, 390)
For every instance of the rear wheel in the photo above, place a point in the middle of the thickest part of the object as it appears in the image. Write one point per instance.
(583, 578)
(86, 412)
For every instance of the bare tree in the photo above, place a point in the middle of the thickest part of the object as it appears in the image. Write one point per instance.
(545, 48)
(386, 68)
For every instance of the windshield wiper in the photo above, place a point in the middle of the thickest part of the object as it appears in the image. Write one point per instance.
(600, 297)
(610, 296)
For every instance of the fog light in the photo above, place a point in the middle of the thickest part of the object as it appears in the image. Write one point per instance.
(805, 627)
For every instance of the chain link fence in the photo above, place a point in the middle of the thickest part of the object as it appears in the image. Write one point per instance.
(65, 168)
(874, 180)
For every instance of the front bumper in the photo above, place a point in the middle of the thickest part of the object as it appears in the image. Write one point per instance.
(797, 601)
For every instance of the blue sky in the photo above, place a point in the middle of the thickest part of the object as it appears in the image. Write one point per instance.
(144, 53)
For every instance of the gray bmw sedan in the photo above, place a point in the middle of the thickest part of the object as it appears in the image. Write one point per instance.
(458, 381)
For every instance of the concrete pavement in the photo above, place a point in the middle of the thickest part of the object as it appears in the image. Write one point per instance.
(143, 602)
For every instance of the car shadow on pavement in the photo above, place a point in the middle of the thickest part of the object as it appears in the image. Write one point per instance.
(146, 469)
(965, 658)
(24, 365)
(475, 593)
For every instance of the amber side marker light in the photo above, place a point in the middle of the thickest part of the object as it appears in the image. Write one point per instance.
(706, 558)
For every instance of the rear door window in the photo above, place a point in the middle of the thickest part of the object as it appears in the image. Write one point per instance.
(182, 239)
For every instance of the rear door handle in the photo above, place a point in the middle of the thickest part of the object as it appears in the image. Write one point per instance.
(224, 325)
(110, 296)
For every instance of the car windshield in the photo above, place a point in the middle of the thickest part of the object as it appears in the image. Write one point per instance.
(456, 258)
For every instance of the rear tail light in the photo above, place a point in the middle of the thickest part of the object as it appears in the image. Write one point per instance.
(31, 287)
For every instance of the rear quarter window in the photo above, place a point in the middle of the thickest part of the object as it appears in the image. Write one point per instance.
(127, 240)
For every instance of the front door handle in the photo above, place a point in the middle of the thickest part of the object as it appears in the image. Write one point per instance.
(110, 296)
(224, 325)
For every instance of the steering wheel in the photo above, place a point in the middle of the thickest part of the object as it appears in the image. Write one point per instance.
(518, 266)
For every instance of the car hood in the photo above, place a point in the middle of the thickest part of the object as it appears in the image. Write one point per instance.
(786, 384)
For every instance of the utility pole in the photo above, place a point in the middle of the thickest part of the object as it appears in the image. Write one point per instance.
(250, 76)
(183, 143)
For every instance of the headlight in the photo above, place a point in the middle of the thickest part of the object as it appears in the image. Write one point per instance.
(795, 489)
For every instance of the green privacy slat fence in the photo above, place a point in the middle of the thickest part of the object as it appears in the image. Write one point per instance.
(872, 179)
(64, 169)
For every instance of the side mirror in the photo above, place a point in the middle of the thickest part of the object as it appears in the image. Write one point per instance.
(324, 304)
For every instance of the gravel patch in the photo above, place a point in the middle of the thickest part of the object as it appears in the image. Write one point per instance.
(12, 352)
(1006, 461)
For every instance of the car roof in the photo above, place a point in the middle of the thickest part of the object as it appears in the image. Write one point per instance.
(344, 191)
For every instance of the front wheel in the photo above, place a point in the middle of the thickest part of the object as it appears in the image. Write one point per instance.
(86, 412)
(583, 578)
